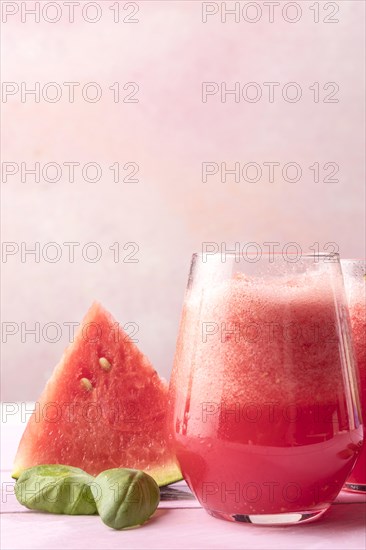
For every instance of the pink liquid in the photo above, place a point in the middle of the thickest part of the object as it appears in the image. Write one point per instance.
(261, 421)
(358, 323)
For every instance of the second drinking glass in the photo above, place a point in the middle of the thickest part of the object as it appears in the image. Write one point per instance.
(354, 274)
(265, 415)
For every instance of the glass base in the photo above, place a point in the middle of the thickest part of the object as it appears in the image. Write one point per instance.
(290, 518)
(355, 487)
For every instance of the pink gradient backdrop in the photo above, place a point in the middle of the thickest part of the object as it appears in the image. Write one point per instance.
(169, 133)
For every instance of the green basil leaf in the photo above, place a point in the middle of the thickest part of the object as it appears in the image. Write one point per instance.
(125, 497)
(57, 489)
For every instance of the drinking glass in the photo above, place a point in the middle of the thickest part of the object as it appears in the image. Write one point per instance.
(264, 408)
(354, 274)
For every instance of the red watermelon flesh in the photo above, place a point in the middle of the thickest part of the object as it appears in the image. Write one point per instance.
(103, 407)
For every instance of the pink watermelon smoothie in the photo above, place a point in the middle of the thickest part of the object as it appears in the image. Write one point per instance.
(260, 419)
(357, 307)
(103, 407)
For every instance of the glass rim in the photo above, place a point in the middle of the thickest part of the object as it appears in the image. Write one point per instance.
(334, 255)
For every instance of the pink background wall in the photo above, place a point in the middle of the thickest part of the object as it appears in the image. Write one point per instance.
(169, 133)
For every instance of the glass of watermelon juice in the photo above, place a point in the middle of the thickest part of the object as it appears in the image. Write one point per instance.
(354, 274)
(264, 409)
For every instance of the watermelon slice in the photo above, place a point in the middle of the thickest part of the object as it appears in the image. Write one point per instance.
(103, 407)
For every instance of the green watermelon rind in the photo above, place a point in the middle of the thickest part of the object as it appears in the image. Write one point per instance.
(166, 475)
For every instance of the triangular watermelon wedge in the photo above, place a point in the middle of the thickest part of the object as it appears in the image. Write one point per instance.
(103, 407)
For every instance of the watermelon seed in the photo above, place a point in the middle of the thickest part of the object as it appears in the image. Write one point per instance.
(86, 384)
(104, 363)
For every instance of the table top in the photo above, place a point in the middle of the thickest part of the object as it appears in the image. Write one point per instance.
(179, 522)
